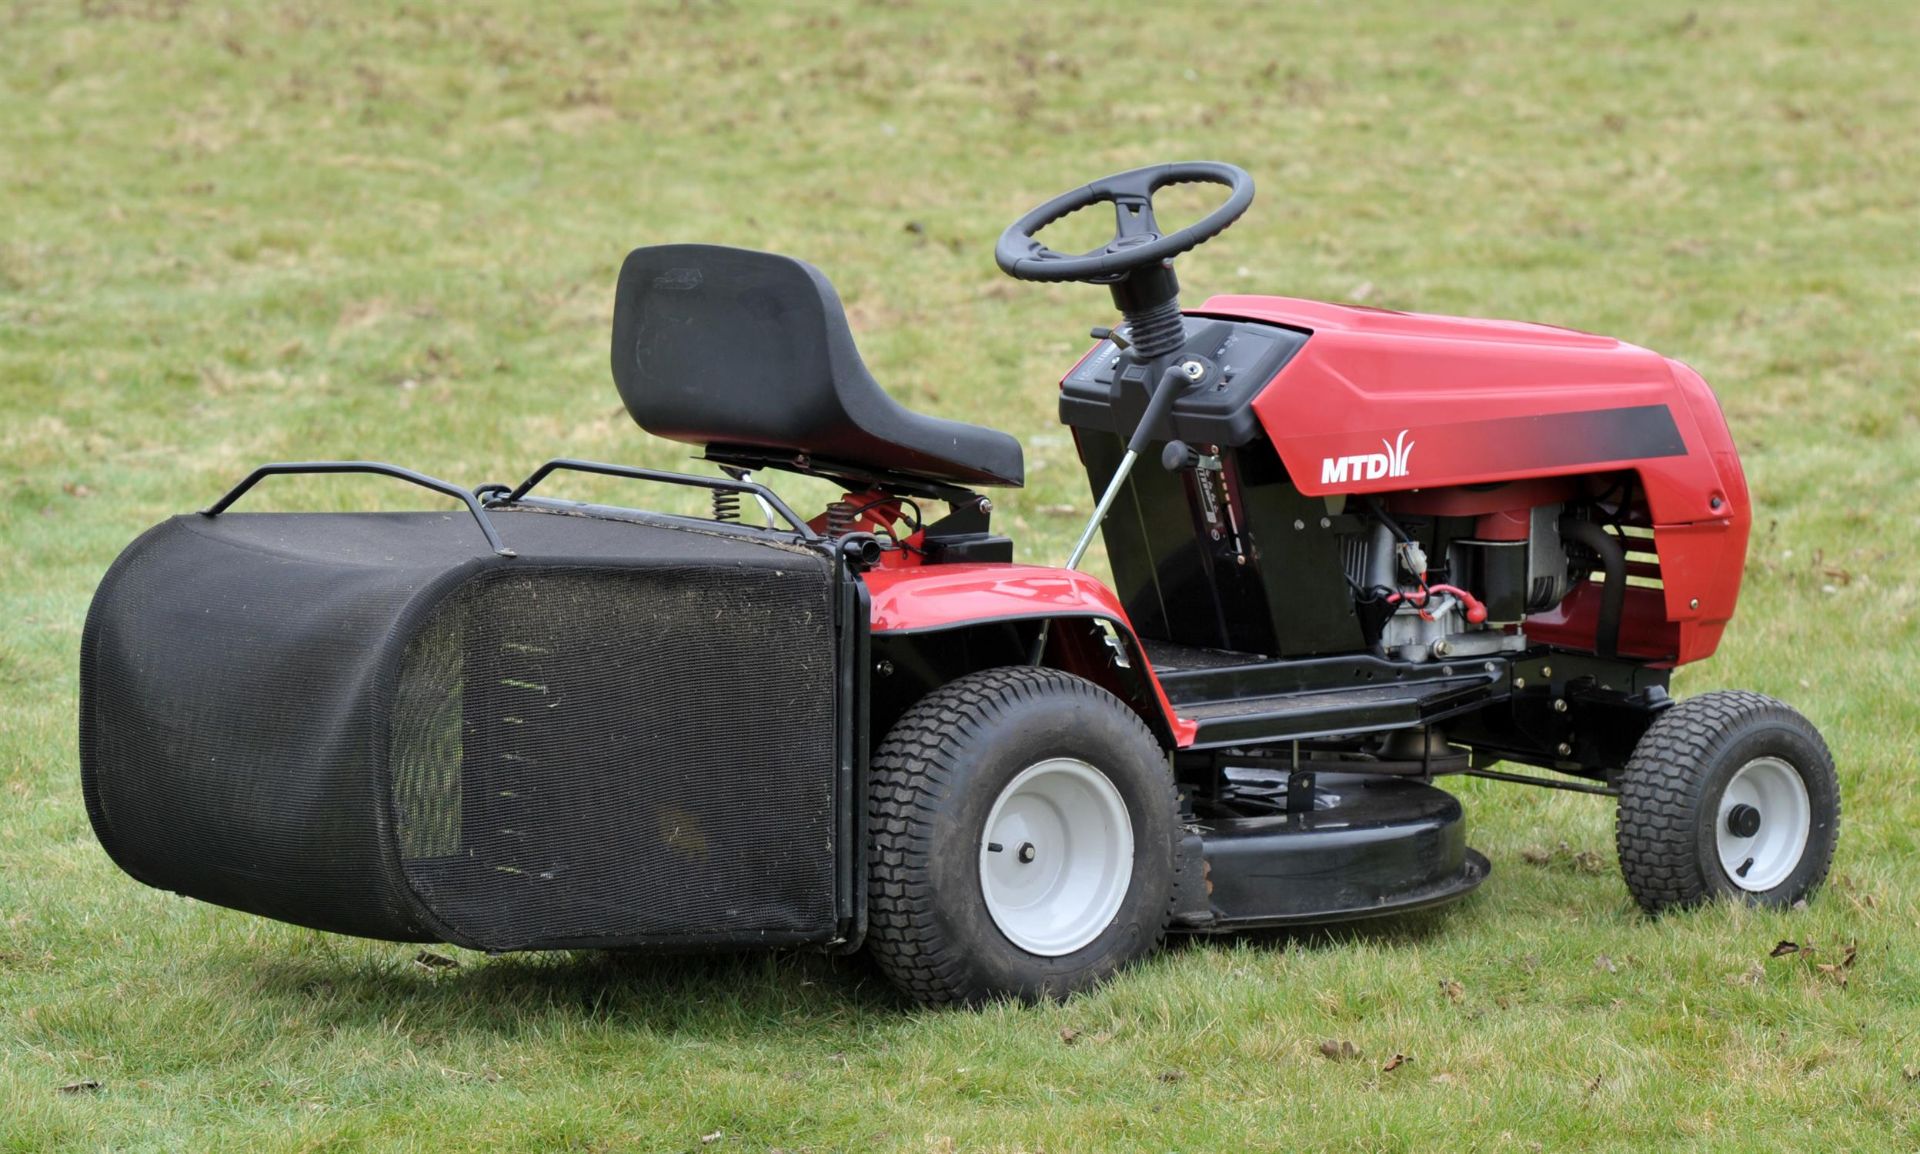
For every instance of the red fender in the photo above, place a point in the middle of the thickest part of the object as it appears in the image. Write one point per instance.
(945, 596)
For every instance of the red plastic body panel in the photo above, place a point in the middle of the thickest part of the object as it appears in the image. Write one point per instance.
(1380, 402)
(946, 596)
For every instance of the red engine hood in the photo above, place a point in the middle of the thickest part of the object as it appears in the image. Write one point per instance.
(1381, 401)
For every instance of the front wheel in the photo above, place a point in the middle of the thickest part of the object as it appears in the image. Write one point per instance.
(1024, 838)
(1729, 794)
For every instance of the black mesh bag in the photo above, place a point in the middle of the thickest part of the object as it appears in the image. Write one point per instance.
(366, 723)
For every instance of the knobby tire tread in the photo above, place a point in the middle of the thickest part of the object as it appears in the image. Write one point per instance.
(914, 767)
(1661, 788)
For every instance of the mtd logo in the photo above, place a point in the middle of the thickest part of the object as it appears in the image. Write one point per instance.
(1368, 466)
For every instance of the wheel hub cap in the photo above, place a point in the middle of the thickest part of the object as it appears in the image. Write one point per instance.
(1764, 824)
(1056, 857)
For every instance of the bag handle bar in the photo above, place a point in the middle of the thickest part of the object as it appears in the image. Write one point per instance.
(377, 468)
(721, 484)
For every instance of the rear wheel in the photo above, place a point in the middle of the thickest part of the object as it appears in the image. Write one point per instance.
(1728, 794)
(1024, 834)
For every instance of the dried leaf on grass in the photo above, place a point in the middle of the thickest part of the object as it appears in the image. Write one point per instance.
(1069, 1035)
(1394, 1063)
(1453, 990)
(1339, 1051)
(83, 1086)
(1838, 970)
(428, 960)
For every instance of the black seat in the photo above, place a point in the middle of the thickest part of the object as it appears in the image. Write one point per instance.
(749, 354)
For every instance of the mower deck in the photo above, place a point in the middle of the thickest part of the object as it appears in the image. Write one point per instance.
(1369, 846)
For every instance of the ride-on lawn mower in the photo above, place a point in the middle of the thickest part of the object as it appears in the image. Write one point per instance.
(1367, 549)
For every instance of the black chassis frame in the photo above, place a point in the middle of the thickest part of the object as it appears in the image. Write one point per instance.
(1554, 708)
(1569, 712)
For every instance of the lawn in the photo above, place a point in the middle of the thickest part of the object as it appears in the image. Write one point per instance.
(254, 232)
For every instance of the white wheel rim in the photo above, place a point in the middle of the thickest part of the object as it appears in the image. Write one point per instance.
(1056, 857)
(1773, 791)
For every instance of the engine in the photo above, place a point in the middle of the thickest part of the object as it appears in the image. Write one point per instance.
(1436, 587)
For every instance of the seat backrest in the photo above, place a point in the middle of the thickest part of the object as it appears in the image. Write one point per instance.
(727, 347)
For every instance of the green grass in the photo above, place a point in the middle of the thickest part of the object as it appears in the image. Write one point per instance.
(243, 233)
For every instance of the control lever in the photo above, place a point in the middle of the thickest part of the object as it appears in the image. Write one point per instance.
(1172, 381)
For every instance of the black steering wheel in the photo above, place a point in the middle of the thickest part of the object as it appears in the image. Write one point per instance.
(1137, 242)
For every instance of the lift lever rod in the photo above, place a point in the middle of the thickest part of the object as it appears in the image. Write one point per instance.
(1172, 381)
(1175, 378)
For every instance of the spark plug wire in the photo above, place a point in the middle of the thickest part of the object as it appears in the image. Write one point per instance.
(1476, 611)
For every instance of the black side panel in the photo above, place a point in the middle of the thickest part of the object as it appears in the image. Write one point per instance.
(1297, 558)
(1233, 558)
(1164, 564)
